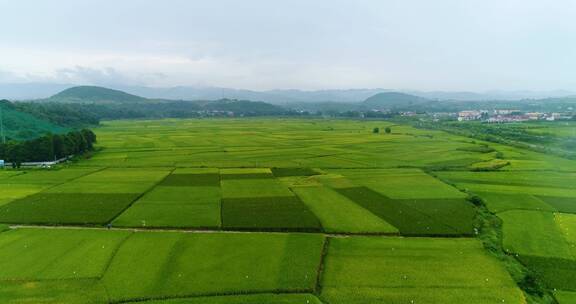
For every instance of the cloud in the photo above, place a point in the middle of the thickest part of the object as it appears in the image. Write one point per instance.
(8, 76)
(103, 76)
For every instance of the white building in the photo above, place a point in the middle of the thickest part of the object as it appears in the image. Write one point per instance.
(469, 115)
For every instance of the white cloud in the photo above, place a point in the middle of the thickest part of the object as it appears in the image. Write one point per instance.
(260, 44)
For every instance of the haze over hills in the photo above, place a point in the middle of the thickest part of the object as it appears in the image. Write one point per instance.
(389, 100)
(26, 91)
(382, 101)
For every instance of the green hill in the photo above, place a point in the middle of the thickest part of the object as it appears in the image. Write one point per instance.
(106, 103)
(93, 94)
(395, 101)
(23, 126)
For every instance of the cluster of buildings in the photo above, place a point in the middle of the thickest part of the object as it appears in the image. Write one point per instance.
(501, 116)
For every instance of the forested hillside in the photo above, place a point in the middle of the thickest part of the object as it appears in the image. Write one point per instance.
(19, 125)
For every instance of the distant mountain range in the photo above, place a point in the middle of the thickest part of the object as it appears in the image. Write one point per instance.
(43, 90)
(116, 99)
(105, 103)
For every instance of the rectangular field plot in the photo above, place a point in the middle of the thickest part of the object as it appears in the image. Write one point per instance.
(339, 214)
(416, 217)
(246, 173)
(7, 174)
(267, 298)
(126, 175)
(543, 179)
(534, 233)
(47, 177)
(565, 297)
(545, 242)
(498, 202)
(178, 207)
(249, 188)
(401, 183)
(567, 225)
(113, 181)
(47, 254)
(561, 204)
(67, 291)
(362, 270)
(12, 192)
(544, 184)
(268, 213)
(556, 273)
(192, 180)
(157, 265)
(66, 208)
(287, 172)
(100, 187)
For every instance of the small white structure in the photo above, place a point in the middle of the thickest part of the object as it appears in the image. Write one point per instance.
(469, 115)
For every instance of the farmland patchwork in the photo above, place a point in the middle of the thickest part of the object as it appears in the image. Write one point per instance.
(285, 211)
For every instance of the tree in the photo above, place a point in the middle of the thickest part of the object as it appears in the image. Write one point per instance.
(48, 147)
(90, 138)
(376, 130)
(388, 130)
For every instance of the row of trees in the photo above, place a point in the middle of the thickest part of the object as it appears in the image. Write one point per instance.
(49, 147)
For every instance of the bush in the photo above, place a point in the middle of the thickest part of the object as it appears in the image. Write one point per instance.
(476, 200)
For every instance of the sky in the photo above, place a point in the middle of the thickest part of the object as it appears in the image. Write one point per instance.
(454, 45)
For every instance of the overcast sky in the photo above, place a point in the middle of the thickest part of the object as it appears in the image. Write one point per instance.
(306, 44)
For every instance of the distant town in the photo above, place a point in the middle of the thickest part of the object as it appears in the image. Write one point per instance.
(502, 116)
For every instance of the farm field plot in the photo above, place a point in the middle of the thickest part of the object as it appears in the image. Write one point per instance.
(401, 183)
(19, 184)
(390, 270)
(127, 266)
(246, 299)
(61, 265)
(174, 206)
(546, 245)
(187, 198)
(253, 199)
(94, 198)
(249, 188)
(565, 297)
(542, 237)
(46, 177)
(50, 254)
(545, 191)
(222, 143)
(287, 211)
(430, 208)
(339, 214)
(160, 264)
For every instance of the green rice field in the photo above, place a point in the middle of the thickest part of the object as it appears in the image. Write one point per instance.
(287, 211)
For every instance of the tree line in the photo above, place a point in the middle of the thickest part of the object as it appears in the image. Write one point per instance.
(48, 147)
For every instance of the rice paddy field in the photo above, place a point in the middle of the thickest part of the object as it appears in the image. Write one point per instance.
(285, 211)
